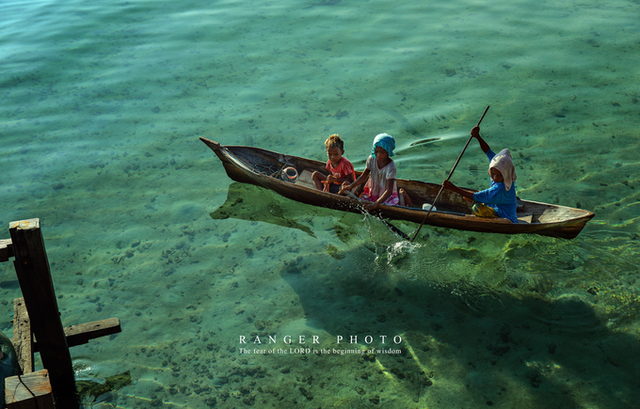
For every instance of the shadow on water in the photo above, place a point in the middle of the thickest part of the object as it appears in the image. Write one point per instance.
(475, 327)
(492, 347)
(252, 203)
(10, 284)
(491, 338)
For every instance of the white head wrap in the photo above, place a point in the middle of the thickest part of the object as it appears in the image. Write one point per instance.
(503, 162)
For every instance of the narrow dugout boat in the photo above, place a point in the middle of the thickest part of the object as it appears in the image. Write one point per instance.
(265, 168)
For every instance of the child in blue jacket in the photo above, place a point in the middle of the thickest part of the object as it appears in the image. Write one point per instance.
(500, 199)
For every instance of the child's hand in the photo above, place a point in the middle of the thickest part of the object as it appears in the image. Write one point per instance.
(331, 179)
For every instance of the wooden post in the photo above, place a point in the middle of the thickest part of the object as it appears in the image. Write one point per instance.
(29, 391)
(6, 250)
(22, 336)
(34, 275)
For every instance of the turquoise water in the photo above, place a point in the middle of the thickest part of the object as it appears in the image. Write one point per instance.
(102, 104)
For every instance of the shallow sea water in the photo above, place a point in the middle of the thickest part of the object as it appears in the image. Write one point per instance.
(102, 104)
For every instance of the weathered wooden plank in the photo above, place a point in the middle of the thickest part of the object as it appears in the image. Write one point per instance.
(29, 391)
(82, 333)
(32, 268)
(6, 250)
(22, 337)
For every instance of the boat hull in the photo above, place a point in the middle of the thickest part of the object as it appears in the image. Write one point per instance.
(247, 165)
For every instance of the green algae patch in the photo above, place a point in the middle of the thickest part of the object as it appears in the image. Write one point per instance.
(92, 389)
(335, 252)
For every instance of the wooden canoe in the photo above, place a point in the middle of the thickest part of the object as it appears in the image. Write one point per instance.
(264, 168)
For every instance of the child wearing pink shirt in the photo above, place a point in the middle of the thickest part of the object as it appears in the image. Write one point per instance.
(339, 167)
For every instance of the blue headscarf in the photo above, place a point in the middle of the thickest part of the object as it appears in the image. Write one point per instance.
(386, 142)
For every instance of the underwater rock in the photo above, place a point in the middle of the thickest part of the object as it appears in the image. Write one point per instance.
(344, 233)
(341, 114)
(472, 255)
(535, 380)
(306, 393)
(260, 325)
(499, 350)
(291, 266)
(220, 380)
(369, 357)
(92, 389)
(118, 381)
(335, 252)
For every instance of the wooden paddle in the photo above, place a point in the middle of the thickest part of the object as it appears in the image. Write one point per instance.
(448, 177)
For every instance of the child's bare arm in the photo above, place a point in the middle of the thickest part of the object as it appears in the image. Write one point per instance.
(349, 178)
(363, 178)
(450, 186)
(475, 132)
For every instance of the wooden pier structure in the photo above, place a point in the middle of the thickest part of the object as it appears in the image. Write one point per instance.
(37, 327)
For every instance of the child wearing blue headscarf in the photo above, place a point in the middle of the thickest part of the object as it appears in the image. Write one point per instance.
(380, 174)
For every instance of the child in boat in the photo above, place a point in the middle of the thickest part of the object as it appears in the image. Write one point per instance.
(339, 167)
(500, 199)
(381, 185)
